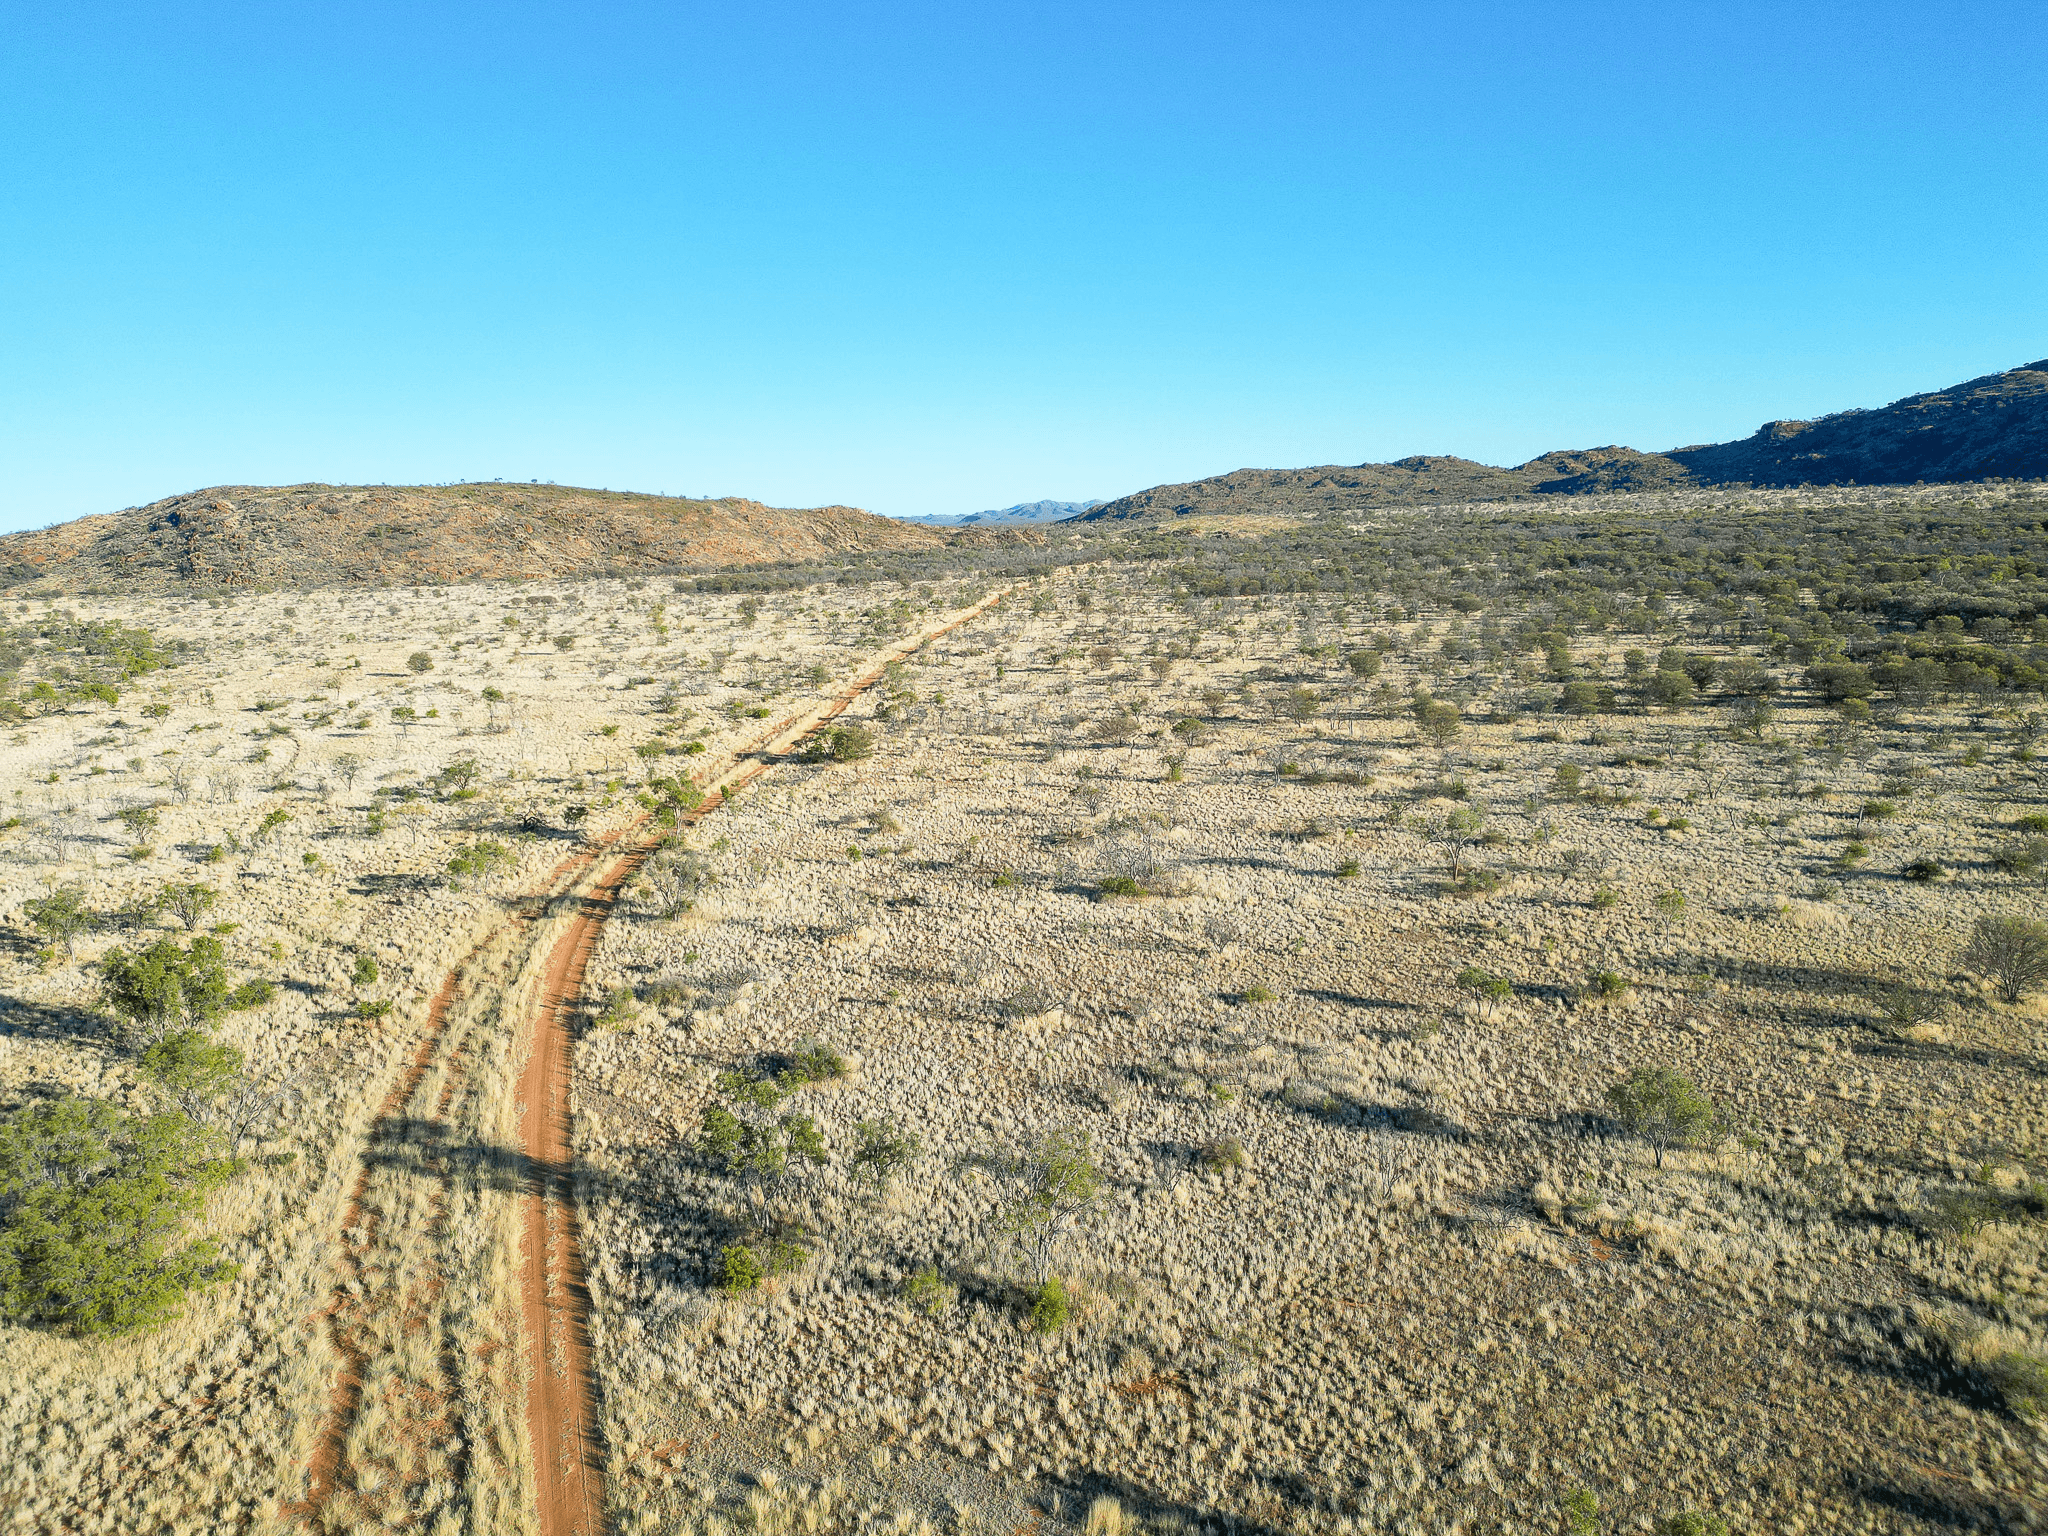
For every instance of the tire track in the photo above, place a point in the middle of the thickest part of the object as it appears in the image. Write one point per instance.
(563, 1414)
(353, 1305)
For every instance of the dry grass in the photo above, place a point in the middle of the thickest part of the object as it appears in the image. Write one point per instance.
(1437, 1291)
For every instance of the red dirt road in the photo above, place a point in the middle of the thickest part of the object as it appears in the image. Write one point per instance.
(561, 1410)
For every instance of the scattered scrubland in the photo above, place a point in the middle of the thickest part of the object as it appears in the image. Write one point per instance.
(1495, 1019)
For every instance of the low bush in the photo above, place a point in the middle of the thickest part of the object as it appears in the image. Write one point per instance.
(1050, 1309)
(1607, 984)
(740, 1269)
(928, 1291)
(1485, 983)
(1224, 1153)
(841, 744)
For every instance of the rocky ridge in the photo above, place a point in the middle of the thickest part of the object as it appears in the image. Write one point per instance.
(1994, 427)
(334, 535)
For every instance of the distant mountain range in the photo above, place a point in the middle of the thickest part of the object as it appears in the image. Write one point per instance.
(1995, 427)
(1025, 512)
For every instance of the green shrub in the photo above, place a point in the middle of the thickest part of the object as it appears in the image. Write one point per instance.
(366, 972)
(1670, 689)
(883, 1152)
(93, 1201)
(1581, 1513)
(1692, 1523)
(815, 1062)
(1118, 885)
(1050, 1308)
(1664, 1108)
(253, 993)
(620, 1008)
(740, 1269)
(1258, 994)
(477, 860)
(164, 987)
(60, 916)
(1485, 983)
(928, 1291)
(1925, 871)
(1348, 870)
(370, 1008)
(1608, 984)
(1225, 1153)
(846, 744)
(419, 662)
(1605, 898)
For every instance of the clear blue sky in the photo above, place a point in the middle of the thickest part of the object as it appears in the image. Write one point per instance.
(946, 257)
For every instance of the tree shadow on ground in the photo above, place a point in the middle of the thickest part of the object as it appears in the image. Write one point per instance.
(25, 1020)
(1286, 1489)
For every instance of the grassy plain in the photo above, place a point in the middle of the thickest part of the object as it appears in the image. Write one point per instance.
(1332, 988)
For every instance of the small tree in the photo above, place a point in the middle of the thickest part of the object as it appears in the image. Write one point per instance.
(165, 988)
(1453, 832)
(138, 819)
(188, 902)
(1440, 723)
(756, 1139)
(205, 1081)
(2012, 951)
(92, 1202)
(1056, 1185)
(419, 662)
(1663, 1108)
(883, 1153)
(61, 916)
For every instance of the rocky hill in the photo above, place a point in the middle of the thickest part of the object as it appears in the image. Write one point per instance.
(1995, 427)
(327, 535)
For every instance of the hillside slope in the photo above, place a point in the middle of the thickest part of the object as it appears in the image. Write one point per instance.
(1992, 427)
(327, 535)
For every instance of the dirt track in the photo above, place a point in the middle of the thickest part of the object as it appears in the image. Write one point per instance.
(398, 1254)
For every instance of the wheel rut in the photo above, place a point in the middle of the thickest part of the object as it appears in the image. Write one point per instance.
(397, 1237)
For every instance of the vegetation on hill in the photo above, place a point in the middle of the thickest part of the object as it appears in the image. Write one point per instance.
(309, 536)
(1994, 427)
